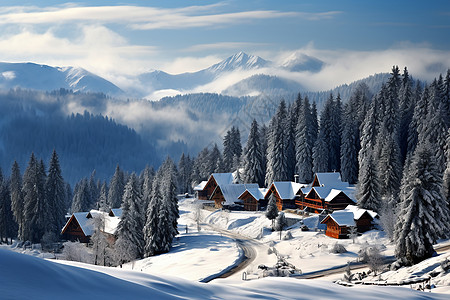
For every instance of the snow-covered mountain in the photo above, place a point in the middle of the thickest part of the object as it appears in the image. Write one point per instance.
(239, 61)
(299, 62)
(47, 78)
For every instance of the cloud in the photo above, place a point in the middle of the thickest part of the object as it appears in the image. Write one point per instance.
(147, 18)
(223, 45)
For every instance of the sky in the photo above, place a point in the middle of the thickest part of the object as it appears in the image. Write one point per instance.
(119, 39)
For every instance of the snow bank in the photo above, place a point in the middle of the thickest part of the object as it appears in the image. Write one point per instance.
(27, 277)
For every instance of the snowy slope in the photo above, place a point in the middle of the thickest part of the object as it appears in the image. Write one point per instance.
(47, 78)
(27, 277)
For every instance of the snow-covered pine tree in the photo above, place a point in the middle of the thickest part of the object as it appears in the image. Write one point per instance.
(335, 140)
(423, 213)
(130, 236)
(228, 150)
(291, 124)
(68, 197)
(303, 143)
(146, 189)
(36, 209)
(446, 187)
(81, 197)
(55, 193)
(418, 122)
(236, 142)
(169, 198)
(368, 188)
(116, 188)
(320, 154)
(350, 144)
(8, 227)
(215, 161)
(263, 135)
(389, 165)
(314, 123)
(253, 159)
(406, 112)
(17, 205)
(272, 209)
(103, 198)
(436, 128)
(94, 188)
(151, 228)
(184, 174)
(277, 160)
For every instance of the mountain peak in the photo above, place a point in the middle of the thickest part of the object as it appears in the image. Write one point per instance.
(240, 60)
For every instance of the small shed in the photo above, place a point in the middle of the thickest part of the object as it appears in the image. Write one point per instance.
(201, 193)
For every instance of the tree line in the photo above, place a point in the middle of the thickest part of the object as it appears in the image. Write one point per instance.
(394, 145)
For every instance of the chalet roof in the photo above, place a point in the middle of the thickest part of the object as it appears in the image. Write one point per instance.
(85, 220)
(200, 186)
(257, 193)
(342, 218)
(358, 212)
(287, 189)
(231, 192)
(331, 179)
(328, 193)
(306, 190)
(223, 178)
(115, 212)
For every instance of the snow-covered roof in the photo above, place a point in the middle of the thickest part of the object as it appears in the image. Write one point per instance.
(223, 178)
(201, 186)
(231, 192)
(85, 220)
(116, 212)
(331, 179)
(287, 189)
(329, 193)
(342, 218)
(358, 212)
(257, 193)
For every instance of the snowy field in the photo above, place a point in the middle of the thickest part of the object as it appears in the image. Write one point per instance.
(199, 254)
(28, 277)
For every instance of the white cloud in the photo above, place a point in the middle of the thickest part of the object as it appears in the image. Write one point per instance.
(146, 18)
(223, 45)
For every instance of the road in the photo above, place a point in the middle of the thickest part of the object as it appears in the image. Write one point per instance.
(249, 247)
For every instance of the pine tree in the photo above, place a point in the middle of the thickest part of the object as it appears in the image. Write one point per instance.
(253, 158)
(417, 124)
(263, 135)
(130, 238)
(290, 126)
(228, 152)
(8, 227)
(184, 173)
(55, 193)
(303, 143)
(81, 199)
(277, 160)
(446, 184)
(102, 203)
(36, 209)
(350, 145)
(17, 204)
(148, 176)
(116, 188)
(368, 187)
(320, 154)
(406, 112)
(169, 198)
(151, 228)
(272, 209)
(423, 213)
(215, 160)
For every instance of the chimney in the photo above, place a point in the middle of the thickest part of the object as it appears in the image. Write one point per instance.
(296, 178)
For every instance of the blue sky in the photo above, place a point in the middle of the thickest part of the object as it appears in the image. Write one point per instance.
(119, 38)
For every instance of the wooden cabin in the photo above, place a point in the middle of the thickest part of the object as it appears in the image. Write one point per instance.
(327, 192)
(339, 222)
(227, 195)
(75, 228)
(286, 192)
(253, 199)
(80, 226)
(205, 190)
